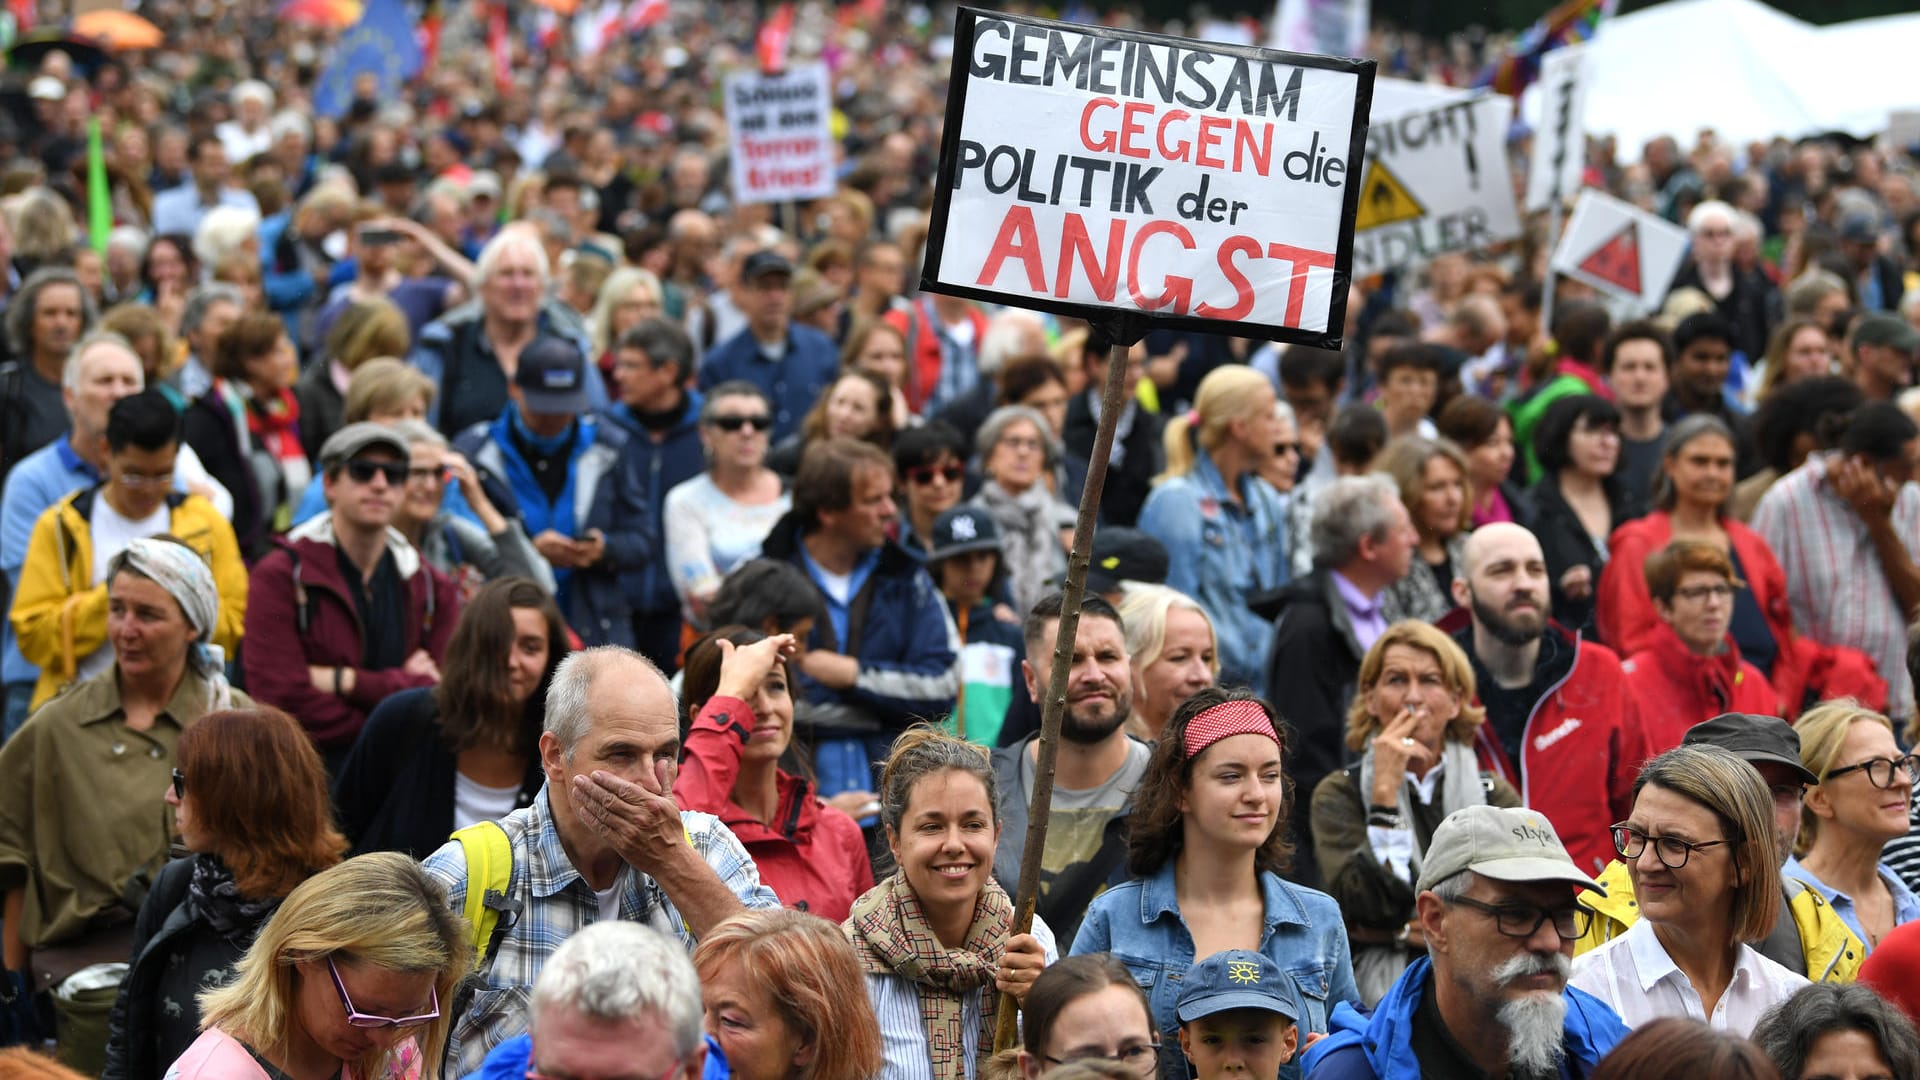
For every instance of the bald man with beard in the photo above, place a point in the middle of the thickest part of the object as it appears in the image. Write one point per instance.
(1560, 724)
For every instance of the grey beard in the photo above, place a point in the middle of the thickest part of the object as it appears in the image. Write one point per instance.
(1536, 1024)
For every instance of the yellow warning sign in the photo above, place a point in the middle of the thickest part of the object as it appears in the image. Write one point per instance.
(1384, 200)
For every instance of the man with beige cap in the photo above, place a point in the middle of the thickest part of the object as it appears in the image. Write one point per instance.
(1496, 906)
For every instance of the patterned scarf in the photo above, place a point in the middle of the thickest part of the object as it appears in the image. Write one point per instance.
(213, 896)
(892, 936)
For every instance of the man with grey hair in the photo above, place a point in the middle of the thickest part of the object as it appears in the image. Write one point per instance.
(209, 311)
(1497, 913)
(473, 351)
(602, 841)
(615, 999)
(1363, 542)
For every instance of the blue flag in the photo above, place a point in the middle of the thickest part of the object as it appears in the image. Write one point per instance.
(382, 43)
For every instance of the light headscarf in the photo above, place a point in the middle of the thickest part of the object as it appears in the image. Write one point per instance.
(181, 571)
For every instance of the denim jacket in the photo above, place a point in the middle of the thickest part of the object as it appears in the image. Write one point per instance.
(1221, 554)
(1140, 923)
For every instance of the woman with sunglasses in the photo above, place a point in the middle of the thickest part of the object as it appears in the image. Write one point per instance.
(1700, 846)
(1860, 803)
(931, 463)
(352, 978)
(1209, 841)
(718, 519)
(249, 800)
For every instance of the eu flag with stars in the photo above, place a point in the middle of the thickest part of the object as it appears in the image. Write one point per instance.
(382, 43)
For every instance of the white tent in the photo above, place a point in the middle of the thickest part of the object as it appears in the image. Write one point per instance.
(1748, 72)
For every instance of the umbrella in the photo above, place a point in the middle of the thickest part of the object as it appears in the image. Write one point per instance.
(119, 31)
(33, 47)
(336, 14)
(562, 7)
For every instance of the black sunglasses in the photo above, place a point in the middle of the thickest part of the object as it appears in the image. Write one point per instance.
(735, 423)
(179, 784)
(363, 471)
(924, 474)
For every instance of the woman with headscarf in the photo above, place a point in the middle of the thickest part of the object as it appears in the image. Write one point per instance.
(79, 834)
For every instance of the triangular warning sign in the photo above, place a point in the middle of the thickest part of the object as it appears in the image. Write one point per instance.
(1384, 200)
(1617, 262)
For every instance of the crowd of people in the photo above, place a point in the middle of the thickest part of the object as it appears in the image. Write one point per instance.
(461, 562)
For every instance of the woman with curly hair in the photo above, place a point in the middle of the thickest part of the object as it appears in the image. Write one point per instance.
(1209, 840)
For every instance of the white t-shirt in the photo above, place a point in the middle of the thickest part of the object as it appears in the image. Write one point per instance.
(475, 802)
(112, 532)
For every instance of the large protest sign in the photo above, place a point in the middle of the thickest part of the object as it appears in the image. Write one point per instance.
(1620, 249)
(1560, 142)
(1436, 181)
(1100, 173)
(779, 137)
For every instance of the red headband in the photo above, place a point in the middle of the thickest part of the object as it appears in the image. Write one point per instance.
(1242, 716)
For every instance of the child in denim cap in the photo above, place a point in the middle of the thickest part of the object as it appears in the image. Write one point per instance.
(1237, 1014)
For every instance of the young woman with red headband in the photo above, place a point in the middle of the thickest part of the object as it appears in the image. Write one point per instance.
(1209, 842)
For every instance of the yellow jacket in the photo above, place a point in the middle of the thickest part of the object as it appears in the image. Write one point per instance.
(1833, 953)
(59, 612)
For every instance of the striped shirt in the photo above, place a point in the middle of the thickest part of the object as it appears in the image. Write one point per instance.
(1835, 584)
(558, 902)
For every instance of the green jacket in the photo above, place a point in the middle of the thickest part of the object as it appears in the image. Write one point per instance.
(1833, 953)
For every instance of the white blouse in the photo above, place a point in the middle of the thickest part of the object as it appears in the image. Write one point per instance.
(1634, 974)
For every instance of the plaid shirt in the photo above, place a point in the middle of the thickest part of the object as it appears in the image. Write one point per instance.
(558, 902)
(1839, 593)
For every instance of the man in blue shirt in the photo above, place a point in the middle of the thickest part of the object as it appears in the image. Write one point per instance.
(180, 209)
(790, 363)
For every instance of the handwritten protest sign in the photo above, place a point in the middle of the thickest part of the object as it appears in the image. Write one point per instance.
(778, 129)
(1094, 171)
(1436, 181)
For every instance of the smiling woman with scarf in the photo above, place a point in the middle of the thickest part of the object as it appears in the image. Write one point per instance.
(935, 939)
(1412, 722)
(247, 428)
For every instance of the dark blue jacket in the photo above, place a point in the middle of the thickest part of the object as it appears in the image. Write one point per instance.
(792, 384)
(1380, 1047)
(899, 630)
(652, 469)
(511, 1060)
(601, 498)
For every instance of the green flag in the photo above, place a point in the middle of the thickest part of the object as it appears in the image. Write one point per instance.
(99, 199)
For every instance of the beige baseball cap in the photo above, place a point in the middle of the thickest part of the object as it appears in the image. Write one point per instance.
(1512, 845)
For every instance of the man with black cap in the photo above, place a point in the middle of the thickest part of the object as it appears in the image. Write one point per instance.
(1809, 939)
(556, 465)
(1884, 350)
(349, 597)
(965, 563)
(792, 364)
(1496, 906)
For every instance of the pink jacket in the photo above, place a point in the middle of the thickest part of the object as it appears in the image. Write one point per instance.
(216, 1055)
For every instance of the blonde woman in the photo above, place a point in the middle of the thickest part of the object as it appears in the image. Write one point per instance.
(364, 331)
(1224, 528)
(1860, 803)
(1700, 846)
(1171, 643)
(353, 977)
(629, 297)
(1412, 722)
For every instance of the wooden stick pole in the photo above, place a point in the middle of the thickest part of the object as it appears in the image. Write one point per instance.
(1112, 402)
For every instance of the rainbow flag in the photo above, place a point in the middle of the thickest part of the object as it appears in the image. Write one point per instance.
(1572, 22)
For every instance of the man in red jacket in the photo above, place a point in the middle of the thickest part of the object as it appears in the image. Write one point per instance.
(1691, 668)
(343, 611)
(1560, 725)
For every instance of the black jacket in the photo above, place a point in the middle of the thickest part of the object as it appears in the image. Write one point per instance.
(209, 429)
(176, 953)
(1127, 486)
(1565, 543)
(1752, 307)
(395, 791)
(1311, 675)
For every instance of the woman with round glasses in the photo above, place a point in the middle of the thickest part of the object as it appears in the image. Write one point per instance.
(347, 980)
(1859, 804)
(717, 520)
(1700, 846)
(1087, 1007)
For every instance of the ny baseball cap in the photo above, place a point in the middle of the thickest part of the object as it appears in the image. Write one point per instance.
(1753, 739)
(963, 529)
(1514, 845)
(1235, 979)
(552, 377)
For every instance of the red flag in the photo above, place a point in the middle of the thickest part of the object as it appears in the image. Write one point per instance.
(429, 37)
(501, 48)
(775, 34)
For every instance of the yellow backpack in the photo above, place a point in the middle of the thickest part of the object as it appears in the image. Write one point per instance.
(489, 874)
